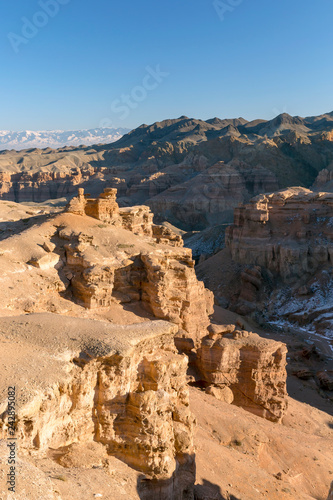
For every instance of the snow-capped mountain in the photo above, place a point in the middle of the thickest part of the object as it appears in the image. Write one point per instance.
(58, 138)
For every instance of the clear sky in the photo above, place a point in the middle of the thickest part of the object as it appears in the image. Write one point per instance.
(70, 64)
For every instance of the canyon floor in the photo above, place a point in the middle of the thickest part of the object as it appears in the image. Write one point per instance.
(238, 456)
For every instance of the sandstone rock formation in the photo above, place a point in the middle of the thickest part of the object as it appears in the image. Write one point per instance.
(137, 219)
(100, 265)
(103, 266)
(253, 368)
(121, 386)
(124, 387)
(164, 280)
(165, 235)
(101, 389)
(302, 297)
(289, 232)
(285, 241)
(104, 208)
(173, 292)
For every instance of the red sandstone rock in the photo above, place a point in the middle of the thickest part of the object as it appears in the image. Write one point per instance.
(289, 232)
(253, 368)
(121, 386)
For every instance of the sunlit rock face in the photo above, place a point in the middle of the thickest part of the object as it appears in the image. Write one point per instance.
(253, 368)
(124, 387)
(285, 240)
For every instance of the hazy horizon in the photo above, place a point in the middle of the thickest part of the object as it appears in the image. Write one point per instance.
(156, 121)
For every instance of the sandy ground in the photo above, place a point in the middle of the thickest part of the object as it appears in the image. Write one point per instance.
(244, 457)
(307, 391)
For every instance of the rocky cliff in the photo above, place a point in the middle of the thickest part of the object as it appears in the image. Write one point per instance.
(251, 367)
(102, 263)
(284, 243)
(289, 232)
(98, 337)
(124, 387)
(191, 172)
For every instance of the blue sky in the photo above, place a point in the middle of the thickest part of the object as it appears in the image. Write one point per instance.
(91, 63)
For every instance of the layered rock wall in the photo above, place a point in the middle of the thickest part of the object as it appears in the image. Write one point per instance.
(163, 279)
(173, 292)
(40, 186)
(284, 242)
(253, 368)
(138, 219)
(124, 387)
(209, 197)
(288, 232)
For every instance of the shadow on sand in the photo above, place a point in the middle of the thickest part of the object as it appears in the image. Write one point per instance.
(180, 487)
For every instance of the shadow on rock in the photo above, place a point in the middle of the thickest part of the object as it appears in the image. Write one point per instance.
(179, 487)
(210, 491)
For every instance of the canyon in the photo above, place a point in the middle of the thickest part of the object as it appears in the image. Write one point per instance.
(166, 274)
(276, 271)
(143, 369)
(283, 242)
(117, 351)
(191, 172)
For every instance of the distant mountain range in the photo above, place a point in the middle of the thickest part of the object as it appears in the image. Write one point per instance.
(58, 138)
(192, 173)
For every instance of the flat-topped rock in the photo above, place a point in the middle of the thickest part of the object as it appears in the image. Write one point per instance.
(38, 346)
(80, 380)
(56, 333)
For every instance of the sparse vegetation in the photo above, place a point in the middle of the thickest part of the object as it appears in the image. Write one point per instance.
(124, 245)
(61, 478)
